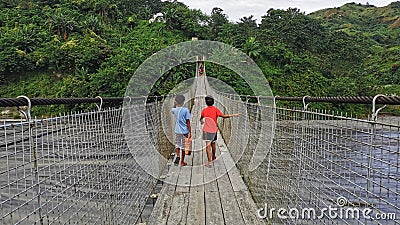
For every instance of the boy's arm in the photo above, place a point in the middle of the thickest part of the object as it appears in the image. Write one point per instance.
(189, 128)
(174, 107)
(229, 115)
(201, 119)
(219, 113)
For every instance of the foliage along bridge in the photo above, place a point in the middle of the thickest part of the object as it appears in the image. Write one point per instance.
(274, 165)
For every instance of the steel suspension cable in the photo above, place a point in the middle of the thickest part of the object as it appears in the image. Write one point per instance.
(13, 102)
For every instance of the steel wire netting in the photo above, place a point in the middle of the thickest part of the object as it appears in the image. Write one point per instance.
(82, 169)
(75, 169)
(322, 168)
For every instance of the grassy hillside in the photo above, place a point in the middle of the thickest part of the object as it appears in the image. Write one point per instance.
(379, 23)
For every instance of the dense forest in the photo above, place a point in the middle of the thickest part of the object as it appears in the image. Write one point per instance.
(86, 48)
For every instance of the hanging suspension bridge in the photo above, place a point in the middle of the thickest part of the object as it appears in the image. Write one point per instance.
(91, 168)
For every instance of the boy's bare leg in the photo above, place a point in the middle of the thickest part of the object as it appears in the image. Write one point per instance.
(177, 151)
(213, 147)
(183, 163)
(208, 146)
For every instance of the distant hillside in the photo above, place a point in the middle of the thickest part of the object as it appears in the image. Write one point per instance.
(381, 25)
(361, 17)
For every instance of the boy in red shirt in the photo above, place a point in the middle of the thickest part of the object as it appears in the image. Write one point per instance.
(209, 117)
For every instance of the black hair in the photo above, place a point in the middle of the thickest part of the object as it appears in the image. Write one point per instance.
(209, 100)
(180, 99)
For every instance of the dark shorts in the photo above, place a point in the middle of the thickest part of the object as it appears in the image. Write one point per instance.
(210, 136)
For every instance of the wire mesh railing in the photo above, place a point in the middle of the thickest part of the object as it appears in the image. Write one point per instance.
(74, 169)
(79, 168)
(322, 168)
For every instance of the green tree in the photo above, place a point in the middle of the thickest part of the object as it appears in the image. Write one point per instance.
(63, 21)
(217, 20)
(252, 47)
(293, 28)
(191, 22)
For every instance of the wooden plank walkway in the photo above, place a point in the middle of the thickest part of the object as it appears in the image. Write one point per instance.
(196, 194)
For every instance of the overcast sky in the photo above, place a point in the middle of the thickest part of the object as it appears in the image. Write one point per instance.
(236, 9)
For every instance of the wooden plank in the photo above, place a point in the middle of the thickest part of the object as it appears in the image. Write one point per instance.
(198, 151)
(244, 201)
(234, 174)
(162, 206)
(248, 208)
(197, 159)
(196, 210)
(219, 166)
(161, 209)
(209, 178)
(214, 215)
(230, 207)
(183, 183)
(172, 177)
(179, 208)
(197, 177)
(198, 169)
(185, 174)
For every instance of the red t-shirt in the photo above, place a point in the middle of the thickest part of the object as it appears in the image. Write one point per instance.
(210, 115)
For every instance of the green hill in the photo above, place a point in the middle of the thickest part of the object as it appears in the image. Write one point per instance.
(380, 23)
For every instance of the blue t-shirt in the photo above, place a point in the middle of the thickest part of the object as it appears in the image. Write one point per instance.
(181, 115)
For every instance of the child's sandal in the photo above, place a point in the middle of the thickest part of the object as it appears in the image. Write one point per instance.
(177, 159)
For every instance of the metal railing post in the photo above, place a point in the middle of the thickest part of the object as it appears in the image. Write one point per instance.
(32, 147)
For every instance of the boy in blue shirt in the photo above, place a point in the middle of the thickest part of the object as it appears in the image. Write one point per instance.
(182, 128)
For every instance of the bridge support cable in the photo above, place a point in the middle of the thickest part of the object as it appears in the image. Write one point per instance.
(22, 101)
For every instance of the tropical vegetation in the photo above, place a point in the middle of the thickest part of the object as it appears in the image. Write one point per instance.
(87, 48)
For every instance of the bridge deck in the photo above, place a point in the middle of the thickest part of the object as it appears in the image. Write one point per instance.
(196, 194)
